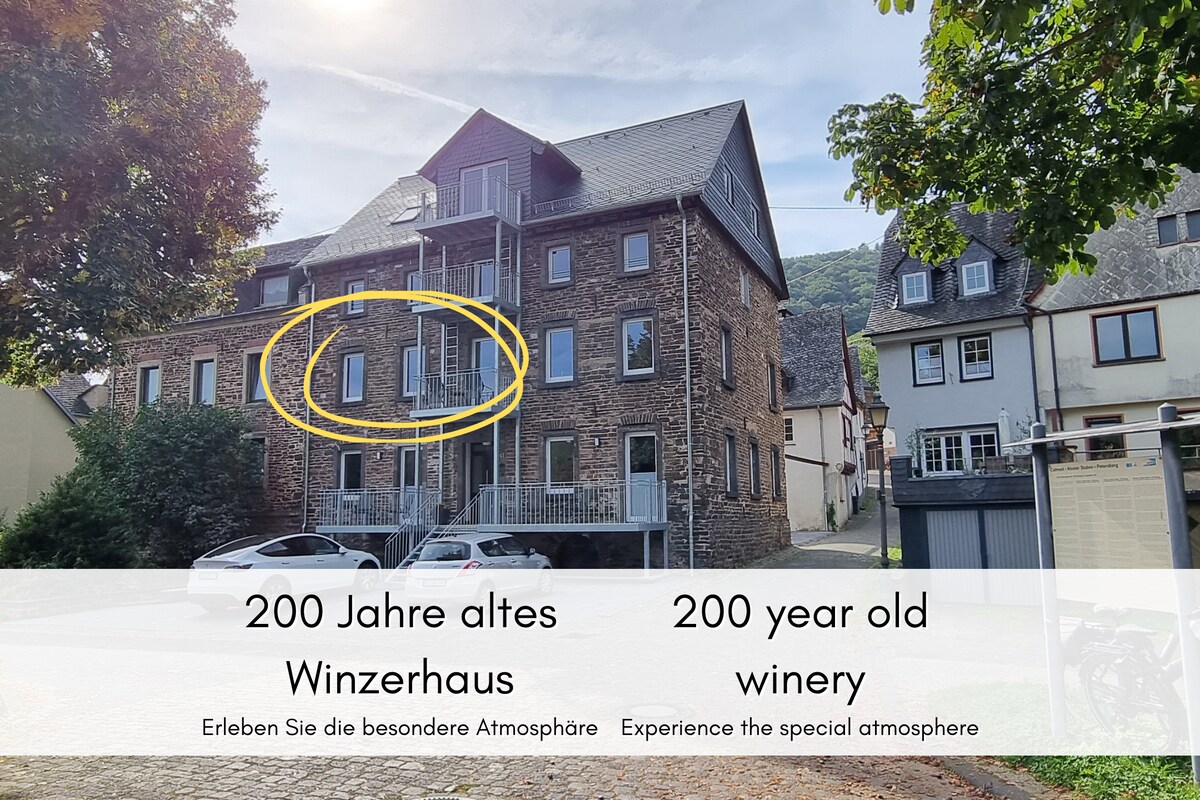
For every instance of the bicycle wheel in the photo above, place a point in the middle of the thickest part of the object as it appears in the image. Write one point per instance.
(1129, 699)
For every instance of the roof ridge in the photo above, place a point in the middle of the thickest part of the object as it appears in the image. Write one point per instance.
(647, 123)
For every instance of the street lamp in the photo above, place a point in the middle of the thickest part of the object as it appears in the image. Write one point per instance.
(877, 414)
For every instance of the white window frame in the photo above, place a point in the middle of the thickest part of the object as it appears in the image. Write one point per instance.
(967, 441)
(346, 396)
(550, 333)
(754, 218)
(356, 306)
(789, 430)
(625, 263)
(143, 398)
(727, 355)
(625, 368)
(558, 486)
(968, 291)
(908, 299)
(402, 472)
(262, 291)
(755, 456)
(342, 469)
(550, 278)
(941, 363)
(730, 192)
(731, 480)
(198, 383)
(405, 377)
(483, 196)
(962, 358)
(251, 377)
(744, 286)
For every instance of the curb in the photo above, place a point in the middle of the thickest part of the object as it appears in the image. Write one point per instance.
(981, 776)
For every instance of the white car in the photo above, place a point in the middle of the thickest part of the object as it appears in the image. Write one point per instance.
(472, 565)
(258, 564)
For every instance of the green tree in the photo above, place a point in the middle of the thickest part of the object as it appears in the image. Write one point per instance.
(867, 357)
(1068, 112)
(156, 491)
(842, 279)
(129, 186)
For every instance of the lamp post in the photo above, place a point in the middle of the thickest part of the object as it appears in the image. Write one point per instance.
(877, 414)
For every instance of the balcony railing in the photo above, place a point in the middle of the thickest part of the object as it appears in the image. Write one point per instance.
(565, 505)
(472, 199)
(462, 389)
(480, 281)
(370, 508)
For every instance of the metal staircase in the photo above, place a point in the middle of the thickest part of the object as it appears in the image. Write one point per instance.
(406, 535)
(465, 522)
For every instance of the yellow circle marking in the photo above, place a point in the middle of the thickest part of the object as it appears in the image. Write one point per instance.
(445, 300)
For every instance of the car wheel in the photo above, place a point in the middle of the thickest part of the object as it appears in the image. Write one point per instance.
(366, 577)
(275, 587)
(485, 588)
(545, 581)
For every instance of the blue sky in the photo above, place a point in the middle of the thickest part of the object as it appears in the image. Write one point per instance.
(363, 91)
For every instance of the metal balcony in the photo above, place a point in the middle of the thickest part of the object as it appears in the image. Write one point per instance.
(599, 506)
(368, 510)
(469, 210)
(444, 393)
(481, 281)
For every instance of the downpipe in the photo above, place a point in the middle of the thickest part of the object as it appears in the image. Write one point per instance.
(687, 366)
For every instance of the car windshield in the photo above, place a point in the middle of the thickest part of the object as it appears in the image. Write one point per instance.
(445, 551)
(238, 544)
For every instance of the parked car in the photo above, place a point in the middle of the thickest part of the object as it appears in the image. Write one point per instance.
(256, 564)
(472, 565)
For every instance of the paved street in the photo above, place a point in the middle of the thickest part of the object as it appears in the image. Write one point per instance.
(856, 546)
(523, 778)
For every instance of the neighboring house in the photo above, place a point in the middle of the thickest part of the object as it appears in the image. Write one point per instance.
(822, 422)
(1114, 345)
(954, 346)
(599, 249)
(34, 437)
(863, 394)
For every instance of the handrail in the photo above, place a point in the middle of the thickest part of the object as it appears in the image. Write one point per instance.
(617, 502)
(470, 198)
(368, 507)
(460, 388)
(406, 536)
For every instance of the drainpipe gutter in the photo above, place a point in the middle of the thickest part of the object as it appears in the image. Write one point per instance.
(1054, 372)
(311, 286)
(687, 367)
(1037, 412)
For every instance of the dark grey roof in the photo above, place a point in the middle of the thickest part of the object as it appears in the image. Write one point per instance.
(287, 253)
(860, 385)
(1013, 279)
(372, 229)
(1130, 266)
(67, 392)
(644, 162)
(814, 358)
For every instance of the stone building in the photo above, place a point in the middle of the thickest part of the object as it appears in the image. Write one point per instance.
(641, 269)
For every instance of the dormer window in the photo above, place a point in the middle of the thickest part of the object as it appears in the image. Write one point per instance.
(484, 188)
(915, 288)
(975, 278)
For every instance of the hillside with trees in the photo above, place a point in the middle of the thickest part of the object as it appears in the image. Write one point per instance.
(839, 279)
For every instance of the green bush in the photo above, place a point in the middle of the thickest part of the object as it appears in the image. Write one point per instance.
(1116, 777)
(71, 526)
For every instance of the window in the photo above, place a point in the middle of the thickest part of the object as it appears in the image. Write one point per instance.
(755, 470)
(484, 188)
(776, 476)
(729, 191)
(636, 248)
(982, 445)
(558, 264)
(350, 470)
(560, 459)
(356, 306)
(1193, 225)
(789, 430)
(916, 288)
(259, 476)
(1104, 446)
(772, 385)
(727, 356)
(638, 357)
(149, 385)
(406, 467)
(204, 382)
(407, 215)
(353, 377)
(410, 371)
(745, 287)
(1126, 336)
(560, 355)
(944, 453)
(927, 363)
(256, 391)
(731, 481)
(1168, 230)
(976, 354)
(273, 291)
(974, 278)
(754, 219)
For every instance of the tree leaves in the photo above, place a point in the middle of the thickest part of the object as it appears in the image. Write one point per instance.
(128, 180)
(1059, 110)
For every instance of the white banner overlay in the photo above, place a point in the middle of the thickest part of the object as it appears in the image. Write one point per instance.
(736, 662)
